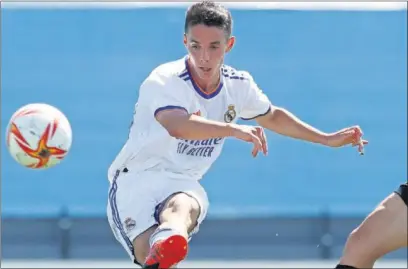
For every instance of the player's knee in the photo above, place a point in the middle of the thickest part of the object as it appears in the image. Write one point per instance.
(359, 242)
(181, 207)
(359, 249)
(356, 238)
(358, 252)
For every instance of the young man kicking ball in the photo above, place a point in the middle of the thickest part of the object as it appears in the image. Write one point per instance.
(185, 111)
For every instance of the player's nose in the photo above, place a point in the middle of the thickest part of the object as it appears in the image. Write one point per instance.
(205, 56)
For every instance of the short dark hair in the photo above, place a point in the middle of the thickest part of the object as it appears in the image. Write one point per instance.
(209, 13)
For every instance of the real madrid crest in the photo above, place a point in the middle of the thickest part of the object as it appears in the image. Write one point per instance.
(130, 224)
(230, 115)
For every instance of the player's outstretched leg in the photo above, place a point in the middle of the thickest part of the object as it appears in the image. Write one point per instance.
(169, 243)
(383, 231)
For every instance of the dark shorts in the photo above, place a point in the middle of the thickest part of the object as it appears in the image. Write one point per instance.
(403, 192)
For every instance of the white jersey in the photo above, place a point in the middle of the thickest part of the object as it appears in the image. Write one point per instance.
(150, 147)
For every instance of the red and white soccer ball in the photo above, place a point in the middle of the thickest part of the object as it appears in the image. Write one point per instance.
(38, 136)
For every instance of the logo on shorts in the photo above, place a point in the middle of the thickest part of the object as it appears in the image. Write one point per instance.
(130, 224)
(230, 115)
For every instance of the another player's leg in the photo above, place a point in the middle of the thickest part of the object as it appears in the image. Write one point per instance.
(178, 216)
(383, 231)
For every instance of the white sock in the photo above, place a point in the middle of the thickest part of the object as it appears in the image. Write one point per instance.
(161, 234)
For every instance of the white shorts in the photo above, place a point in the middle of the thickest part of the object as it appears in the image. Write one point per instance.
(135, 200)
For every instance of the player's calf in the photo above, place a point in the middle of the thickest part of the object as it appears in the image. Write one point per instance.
(169, 243)
(382, 232)
(141, 245)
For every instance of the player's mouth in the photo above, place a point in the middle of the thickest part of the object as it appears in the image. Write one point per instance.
(205, 69)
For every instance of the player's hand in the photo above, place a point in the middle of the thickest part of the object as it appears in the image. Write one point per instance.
(254, 135)
(351, 135)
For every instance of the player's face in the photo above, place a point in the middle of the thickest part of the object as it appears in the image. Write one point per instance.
(207, 47)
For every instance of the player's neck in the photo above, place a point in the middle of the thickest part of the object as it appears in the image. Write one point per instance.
(207, 85)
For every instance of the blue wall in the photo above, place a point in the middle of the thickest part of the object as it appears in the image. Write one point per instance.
(333, 69)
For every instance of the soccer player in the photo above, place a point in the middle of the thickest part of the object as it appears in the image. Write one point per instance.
(185, 111)
(384, 230)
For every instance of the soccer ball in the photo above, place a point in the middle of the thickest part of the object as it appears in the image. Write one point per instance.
(38, 136)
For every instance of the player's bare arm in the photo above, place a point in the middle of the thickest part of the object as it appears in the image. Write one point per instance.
(180, 124)
(283, 122)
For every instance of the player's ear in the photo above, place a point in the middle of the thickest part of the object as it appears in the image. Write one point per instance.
(230, 43)
(185, 40)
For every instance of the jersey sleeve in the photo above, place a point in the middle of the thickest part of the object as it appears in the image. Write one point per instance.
(158, 94)
(255, 102)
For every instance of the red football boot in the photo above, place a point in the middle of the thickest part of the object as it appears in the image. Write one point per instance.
(167, 253)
